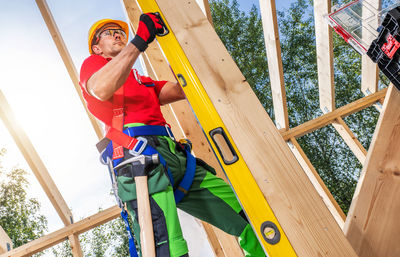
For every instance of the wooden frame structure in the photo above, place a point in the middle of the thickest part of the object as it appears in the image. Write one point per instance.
(371, 226)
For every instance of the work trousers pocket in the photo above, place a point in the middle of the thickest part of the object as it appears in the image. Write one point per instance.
(159, 227)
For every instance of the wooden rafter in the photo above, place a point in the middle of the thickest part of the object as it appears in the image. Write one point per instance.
(226, 245)
(5, 241)
(372, 225)
(330, 117)
(273, 49)
(60, 235)
(34, 161)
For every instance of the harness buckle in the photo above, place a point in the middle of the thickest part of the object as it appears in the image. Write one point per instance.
(137, 152)
(169, 132)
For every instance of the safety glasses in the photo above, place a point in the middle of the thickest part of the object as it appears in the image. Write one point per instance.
(112, 32)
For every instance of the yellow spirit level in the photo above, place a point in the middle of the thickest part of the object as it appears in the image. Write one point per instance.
(260, 215)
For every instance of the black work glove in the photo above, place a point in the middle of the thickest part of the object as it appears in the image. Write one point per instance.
(150, 24)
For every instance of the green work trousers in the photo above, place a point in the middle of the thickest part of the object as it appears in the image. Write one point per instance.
(209, 198)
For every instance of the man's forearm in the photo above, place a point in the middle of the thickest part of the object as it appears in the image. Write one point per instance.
(113, 75)
(171, 92)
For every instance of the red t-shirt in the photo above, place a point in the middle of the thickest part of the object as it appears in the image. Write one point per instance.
(141, 102)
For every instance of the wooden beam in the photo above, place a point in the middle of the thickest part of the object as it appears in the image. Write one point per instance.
(75, 245)
(273, 49)
(185, 125)
(350, 139)
(205, 8)
(323, 40)
(317, 182)
(303, 216)
(324, 45)
(369, 69)
(369, 75)
(372, 225)
(328, 118)
(62, 49)
(5, 241)
(58, 236)
(34, 161)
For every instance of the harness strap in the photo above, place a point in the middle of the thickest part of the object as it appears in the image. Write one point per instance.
(187, 180)
(121, 139)
(114, 133)
(117, 123)
(152, 130)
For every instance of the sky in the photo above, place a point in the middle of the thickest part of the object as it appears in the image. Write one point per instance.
(40, 92)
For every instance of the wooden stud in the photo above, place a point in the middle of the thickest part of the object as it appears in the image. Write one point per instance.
(324, 45)
(317, 182)
(75, 245)
(273, 49)
(185, 125)
(328, 118)
(350, 139)
(5, 241)
(369, 69)
(58, 236)
(323, 40)
(303, 216)
(372, 225)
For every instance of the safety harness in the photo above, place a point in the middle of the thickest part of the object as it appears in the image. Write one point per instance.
(132, 138)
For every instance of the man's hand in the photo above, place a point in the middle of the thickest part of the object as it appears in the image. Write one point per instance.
(149, 26)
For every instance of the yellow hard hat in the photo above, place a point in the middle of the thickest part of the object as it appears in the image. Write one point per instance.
(98, 24)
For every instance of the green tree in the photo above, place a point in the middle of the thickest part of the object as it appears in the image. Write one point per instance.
(19, 215)
(242, 35)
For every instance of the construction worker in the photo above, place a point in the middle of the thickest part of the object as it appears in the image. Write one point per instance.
(112, 89)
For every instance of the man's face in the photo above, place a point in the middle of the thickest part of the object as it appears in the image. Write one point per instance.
(112, 40)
